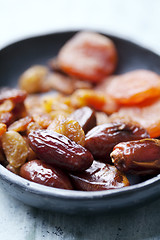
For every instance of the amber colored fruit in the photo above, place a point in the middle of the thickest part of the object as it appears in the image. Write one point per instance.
(20, 125)
(3, 128)
(6, 118)
(42, 173)
(85, 116)
(33, 79)
(44, 119)
(137, 157)
(89, 56)
(65, 84)
(15, 148)
(6, 106)
(32, 126)
(33, 104)
(88, 97)
(101, 139)
(12, 169)
(145, 115)
(69, 128)
(57, 149)
(16, 95)
(99, 176)
(134, 87)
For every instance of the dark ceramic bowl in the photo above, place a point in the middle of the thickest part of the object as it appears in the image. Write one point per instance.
(16, 58)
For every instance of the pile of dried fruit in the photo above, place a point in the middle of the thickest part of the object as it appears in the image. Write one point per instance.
(93, 130)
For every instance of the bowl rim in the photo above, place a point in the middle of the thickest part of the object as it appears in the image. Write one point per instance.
(33, 187)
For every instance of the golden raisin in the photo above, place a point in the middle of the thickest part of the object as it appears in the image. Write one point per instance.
(20, 125)
(33, 79)
(3, 128)
(69, 128)
(15, 148)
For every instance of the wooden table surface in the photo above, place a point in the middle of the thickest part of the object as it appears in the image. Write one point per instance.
(137, 20)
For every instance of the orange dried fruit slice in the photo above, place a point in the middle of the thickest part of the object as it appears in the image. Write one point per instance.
(145, 115)
(88, 56)
(134, 87)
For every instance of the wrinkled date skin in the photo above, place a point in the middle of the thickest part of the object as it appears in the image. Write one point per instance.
(101, 139)
(137, 157)
(39, 172)
(57, 149)
(86, 118)
(99, 176)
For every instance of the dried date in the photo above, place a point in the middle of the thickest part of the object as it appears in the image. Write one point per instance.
(101, 139)
(99, 176)
(137, 157)
(57, 149)
(39, 172)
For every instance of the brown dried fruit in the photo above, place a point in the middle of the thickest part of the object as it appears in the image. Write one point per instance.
(101, 139)
(99, 176)
(42, 173)
(137, 157)
(57, 149)
(15, 148)
(16, 95)
(65, 84)
(85, 116)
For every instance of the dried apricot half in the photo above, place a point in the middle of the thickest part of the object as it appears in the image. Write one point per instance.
(88, 56)
(134, 87)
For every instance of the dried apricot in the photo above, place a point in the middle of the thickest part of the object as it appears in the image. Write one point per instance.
(134, 87)
(91, 98)
(145, 115)
(88, 56)
(15, 148)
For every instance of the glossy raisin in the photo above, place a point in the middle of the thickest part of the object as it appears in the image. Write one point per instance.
(42, 173)
(16, 95)
(57, 149)
(101, 139)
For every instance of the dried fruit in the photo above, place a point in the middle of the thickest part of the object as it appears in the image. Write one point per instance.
(87, 97)
(88, 56)
(6, 118)
(42, 173)
(137, 157)
(3, 128)
(44, 119)
(85, 116)
(15, 148)
(15, 95)
(69, 128)
(6, 106)
(65, 84)
(101, 139)
(57, 149)
(20, 125)
(99, 176)
(145, 115)
(134, 87)
(33, 79)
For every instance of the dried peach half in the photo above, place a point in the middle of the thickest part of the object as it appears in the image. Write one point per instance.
(88, 56)
(134, 87)
(145, 115)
